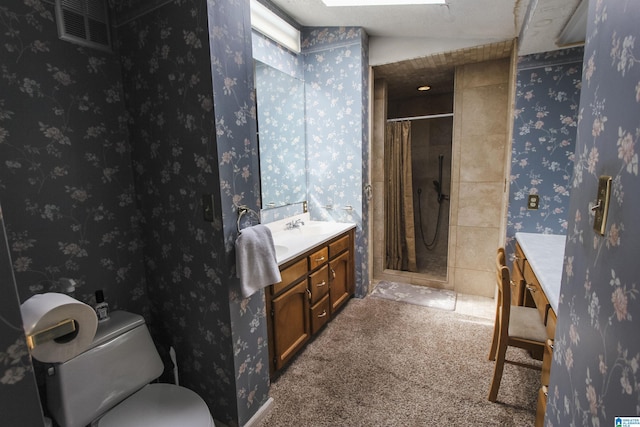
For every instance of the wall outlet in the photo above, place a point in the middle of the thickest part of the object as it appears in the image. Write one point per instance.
(533, 201)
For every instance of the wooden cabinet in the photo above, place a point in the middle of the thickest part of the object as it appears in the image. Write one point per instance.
(289, 317)
(534, 296)
(314, 286)
(340, 280)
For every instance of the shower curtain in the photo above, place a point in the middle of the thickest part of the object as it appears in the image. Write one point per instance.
(399, 230)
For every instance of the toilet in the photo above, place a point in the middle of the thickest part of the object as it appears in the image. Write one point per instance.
(108, 384)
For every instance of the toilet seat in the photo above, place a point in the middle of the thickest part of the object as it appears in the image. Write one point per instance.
(159, 405)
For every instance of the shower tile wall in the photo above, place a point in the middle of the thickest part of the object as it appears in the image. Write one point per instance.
(478, 181)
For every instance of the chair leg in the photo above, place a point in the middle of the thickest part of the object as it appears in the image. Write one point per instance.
(497, 371)
(496, 334)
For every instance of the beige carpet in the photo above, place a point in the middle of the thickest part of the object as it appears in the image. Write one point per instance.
(383, 363)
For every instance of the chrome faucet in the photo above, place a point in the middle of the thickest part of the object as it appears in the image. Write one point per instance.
(291, 225)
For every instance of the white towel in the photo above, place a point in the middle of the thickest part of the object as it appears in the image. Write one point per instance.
(256, 264)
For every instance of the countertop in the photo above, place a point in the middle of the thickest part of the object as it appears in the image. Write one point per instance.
(545, 254)
(292, 243)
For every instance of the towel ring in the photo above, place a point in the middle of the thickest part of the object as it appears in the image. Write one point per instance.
(242, 209)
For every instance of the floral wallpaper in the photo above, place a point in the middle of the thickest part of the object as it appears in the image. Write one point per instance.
(168, 93)
(238, 160)
(106, 159)
(108, 156)
(595, 374)
(66, 184)
(17, 379)
(335, 65)
(188, 79)
(336, 89)
(544, 135)
(65, 181)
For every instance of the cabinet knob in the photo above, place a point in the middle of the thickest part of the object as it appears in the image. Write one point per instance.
(531, 288)
(333, 273)
(309, 294)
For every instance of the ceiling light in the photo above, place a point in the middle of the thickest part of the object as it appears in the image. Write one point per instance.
(271, 25)
(331, 3)
(424, 88)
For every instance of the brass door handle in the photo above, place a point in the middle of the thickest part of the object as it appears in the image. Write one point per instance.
(321, 259)
(531, 288)
(323, 314)
(321, 284)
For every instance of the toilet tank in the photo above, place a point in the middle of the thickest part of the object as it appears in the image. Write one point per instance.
(121, 360)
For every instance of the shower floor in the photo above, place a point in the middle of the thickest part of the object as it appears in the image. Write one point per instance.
(433, 265)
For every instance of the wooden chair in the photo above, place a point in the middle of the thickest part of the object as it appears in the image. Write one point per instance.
(515, 326)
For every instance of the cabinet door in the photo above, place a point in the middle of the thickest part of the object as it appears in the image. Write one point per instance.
(340, 278)
(291, 329)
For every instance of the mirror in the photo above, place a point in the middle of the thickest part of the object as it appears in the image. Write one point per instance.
(281, 137)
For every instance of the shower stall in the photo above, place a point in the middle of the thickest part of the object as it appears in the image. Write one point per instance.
(431, 180)
(417, 234)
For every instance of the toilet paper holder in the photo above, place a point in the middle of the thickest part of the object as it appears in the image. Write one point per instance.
(65, 327)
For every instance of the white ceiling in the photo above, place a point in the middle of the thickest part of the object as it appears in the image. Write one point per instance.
(404, 39)
(404, 32)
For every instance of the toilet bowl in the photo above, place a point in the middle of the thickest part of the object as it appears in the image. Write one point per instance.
(108, 385)
(159, 405)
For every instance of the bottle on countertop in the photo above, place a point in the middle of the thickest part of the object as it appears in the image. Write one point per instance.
(102, 307)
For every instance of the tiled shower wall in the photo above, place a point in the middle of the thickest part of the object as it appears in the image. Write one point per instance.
(481, 136)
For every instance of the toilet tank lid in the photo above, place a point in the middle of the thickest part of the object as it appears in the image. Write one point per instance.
(118, 323)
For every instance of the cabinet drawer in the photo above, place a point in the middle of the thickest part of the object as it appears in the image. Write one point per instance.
(338, 246)
(320, 314)
(319, 284)
(536, 291)
(318, 258)
(290, 275)
(519, 257)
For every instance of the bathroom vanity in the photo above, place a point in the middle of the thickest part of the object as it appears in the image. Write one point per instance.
(318, 278)
(537, 275)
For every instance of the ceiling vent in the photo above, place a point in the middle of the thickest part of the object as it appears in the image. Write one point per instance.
(84, 22)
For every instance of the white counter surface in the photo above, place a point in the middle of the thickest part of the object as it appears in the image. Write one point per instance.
(291, 243)
(545, 254)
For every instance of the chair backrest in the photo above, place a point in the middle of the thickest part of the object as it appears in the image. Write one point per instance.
(503, 279)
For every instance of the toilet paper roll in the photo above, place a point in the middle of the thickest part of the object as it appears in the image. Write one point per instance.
(42, 311)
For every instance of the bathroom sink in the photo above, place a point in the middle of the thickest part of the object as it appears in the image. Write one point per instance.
(290, 242)
(318, 228)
